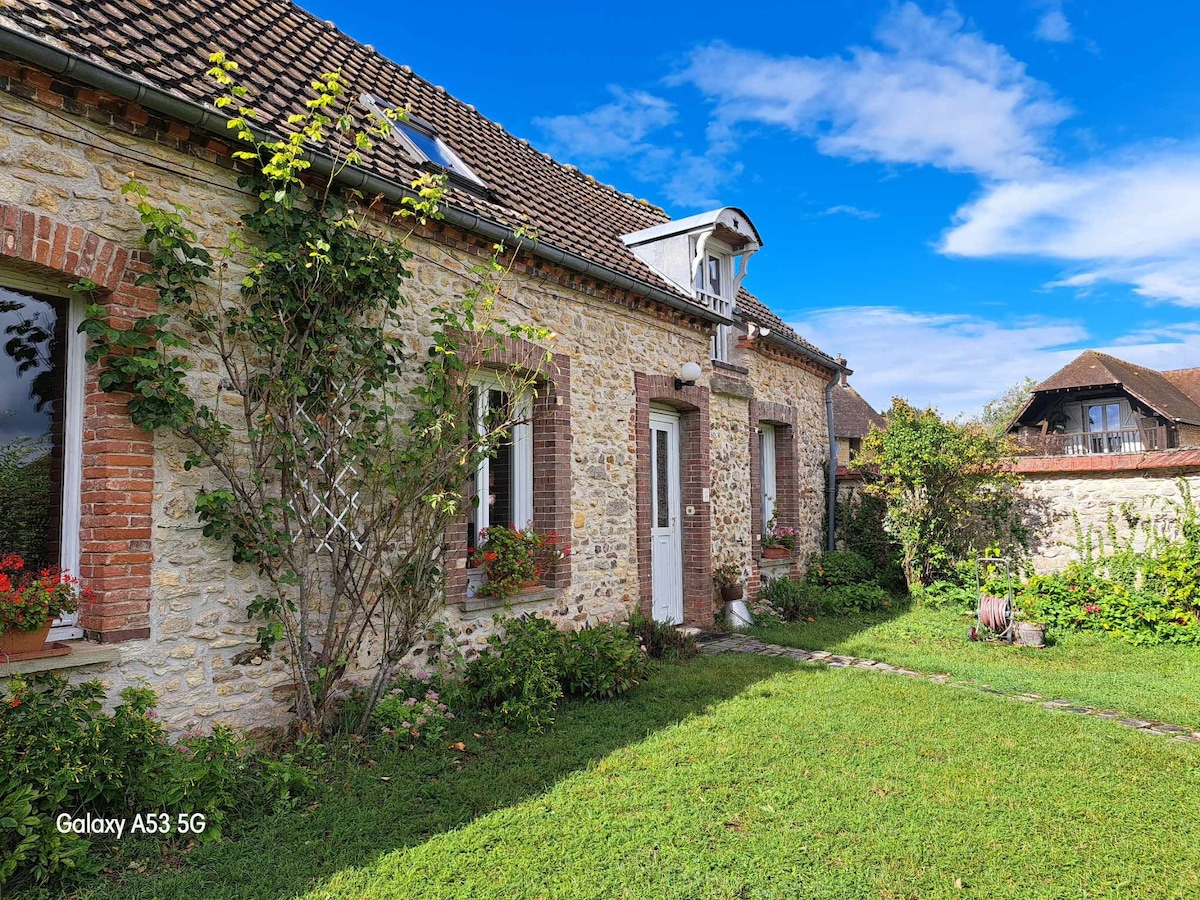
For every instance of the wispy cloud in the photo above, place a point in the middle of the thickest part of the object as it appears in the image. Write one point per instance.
(843, 209)
(1133, 221)
(931, 92)
(621, 130)
(1053, 25)
(617, 129)
(959, 362)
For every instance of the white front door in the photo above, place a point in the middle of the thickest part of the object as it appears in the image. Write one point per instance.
(665, 535)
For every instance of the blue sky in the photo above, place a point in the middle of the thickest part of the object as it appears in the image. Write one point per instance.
(952, 196)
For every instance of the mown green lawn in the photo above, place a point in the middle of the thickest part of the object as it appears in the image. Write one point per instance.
(742, 777)
(1092, 669)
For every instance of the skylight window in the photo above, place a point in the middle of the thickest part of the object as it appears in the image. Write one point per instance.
(422, 142)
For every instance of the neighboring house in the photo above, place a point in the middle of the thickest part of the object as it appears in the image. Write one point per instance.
(1098, 404)
(853, 419)
(652, 478)
(1104, 438)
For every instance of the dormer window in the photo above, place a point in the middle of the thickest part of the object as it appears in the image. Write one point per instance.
(422, 142)
(713, 281)
(706, 256)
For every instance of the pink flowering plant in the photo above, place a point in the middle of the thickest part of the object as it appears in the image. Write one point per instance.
(776, 535)
(414, 708)
(29, 599)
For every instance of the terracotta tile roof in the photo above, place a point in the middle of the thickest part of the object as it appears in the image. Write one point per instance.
(1153, 388)
(852, 415)
(750, 308)
(281, 48)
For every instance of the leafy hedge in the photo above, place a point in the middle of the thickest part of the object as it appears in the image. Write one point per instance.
(61, 753)
(529, 665)
(838, 583)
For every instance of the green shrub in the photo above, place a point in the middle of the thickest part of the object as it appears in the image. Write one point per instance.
(791, 600)
(60, 752)
(839, 567)
(945, 595)
(515, 679)
(891, 578)
(529, 665)
(1080, 599)
(600, 662)
(662, 640)
(847, 599)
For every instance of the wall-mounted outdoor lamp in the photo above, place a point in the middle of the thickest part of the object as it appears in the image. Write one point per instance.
(688, 374)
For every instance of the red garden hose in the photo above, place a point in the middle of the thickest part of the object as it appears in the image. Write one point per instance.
(995, 613)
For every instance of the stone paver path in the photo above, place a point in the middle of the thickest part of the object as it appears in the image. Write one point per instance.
(743, 643)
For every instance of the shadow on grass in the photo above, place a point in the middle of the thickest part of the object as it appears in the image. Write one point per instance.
(828, 631)
(396, 799)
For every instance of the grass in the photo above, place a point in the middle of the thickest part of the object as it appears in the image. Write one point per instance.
(741, 777)
(1160, 682)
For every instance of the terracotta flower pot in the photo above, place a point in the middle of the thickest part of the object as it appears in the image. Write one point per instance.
(531, 587)
(23, 643)
(776, 553)
(732, 592)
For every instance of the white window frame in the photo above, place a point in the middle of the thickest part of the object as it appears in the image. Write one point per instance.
(767, 477)
(67, 627)
(522, 456)
(720, 302)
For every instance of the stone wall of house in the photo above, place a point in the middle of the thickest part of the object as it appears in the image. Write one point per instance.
(1061, 507)
(200, 654)
(731, 491)
(784, 382)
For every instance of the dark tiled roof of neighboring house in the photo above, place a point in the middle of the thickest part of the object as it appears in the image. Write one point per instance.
(852, 415)
(1153, 388)
(1187, 380)
(281, 48)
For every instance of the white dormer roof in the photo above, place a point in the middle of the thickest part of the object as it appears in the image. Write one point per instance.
(729, 223)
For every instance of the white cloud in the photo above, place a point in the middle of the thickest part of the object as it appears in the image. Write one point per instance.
(954, 362)
(960, 362)
(1135, 221)
(687, 179)
(932, 92)
(616, 129)
(1053, 25)
(843, 209)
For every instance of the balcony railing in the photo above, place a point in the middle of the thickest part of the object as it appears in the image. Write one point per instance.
(1128, 440)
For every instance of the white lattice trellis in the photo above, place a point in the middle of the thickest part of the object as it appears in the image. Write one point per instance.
(324, 501)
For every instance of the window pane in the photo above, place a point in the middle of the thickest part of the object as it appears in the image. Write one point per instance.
(428, 145)
(1095, 418)
(714, 276)
(662, 506)
(1112, 417)
(32, 377)
(500, 471)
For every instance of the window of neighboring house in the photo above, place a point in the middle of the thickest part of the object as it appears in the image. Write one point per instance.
(41, 429)
(501, 490)
(767, 472)
(714, 284)
(1103, 421)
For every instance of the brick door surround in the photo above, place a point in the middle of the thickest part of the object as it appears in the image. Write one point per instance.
(787, 484)
(695, 476)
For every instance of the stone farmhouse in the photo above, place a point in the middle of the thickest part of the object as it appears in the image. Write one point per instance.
(1103, 437)
(681, 414)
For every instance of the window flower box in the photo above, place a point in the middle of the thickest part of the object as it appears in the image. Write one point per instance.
(29, 604)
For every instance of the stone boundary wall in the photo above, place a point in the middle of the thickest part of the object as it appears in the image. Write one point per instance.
(1059, 505)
